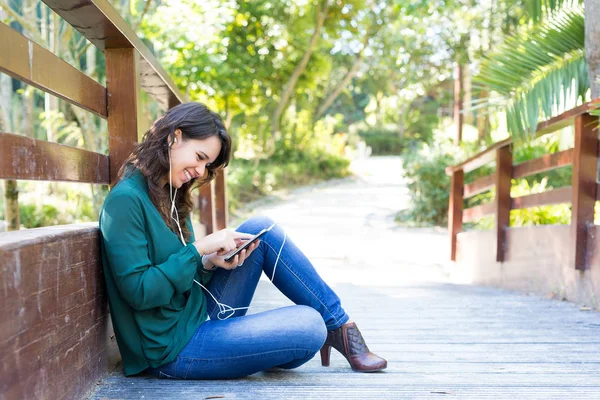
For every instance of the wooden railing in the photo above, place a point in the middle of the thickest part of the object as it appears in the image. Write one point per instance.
(56, 335)
(582, 193)
(130, 68)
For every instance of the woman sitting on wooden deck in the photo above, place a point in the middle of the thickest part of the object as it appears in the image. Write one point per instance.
(162, 283)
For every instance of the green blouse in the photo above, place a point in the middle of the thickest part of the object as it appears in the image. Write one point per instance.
(155, 305)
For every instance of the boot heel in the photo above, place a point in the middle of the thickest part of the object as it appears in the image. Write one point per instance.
(325, 354)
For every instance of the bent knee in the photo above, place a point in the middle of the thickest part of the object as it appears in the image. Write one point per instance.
(312, 325)
(256, 224)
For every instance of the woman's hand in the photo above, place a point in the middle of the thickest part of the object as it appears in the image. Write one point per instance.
(217, 259)
(222, 241)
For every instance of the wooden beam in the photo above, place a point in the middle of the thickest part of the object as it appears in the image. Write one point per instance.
(207, 209)
(455, 210)
(555, 196)
(479, 186)
(502, 202)
(101, 24)
(543, 164)
(30, 159)
(474, 213)
(26, 61)
(584, 184)
(124, 106)
(221, 212)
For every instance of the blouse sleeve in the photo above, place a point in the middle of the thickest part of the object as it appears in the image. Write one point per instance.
(142, 284)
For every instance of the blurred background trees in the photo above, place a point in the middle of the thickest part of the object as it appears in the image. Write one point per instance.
(300, 83)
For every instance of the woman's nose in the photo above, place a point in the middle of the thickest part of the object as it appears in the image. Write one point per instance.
(200, 171)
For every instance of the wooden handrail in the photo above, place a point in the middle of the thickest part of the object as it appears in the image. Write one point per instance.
(25, 158)
(27, 61)
(480, 159)
(100, 23)
(565, 119)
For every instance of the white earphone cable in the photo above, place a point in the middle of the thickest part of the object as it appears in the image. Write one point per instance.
(224, 308)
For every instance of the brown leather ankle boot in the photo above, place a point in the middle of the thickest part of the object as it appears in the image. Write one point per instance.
(348, 341)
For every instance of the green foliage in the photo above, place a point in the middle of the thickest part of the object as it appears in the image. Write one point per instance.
(383, 141)
(543, 215)
(428, 184)
(33, 217)
(249, 180)
(537, 73)
(303, 155)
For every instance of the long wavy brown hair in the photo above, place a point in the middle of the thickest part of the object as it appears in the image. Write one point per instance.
(151, 157)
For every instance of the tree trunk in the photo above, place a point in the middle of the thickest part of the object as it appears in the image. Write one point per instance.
(13, 217)
(298, 71)
(483, 121)
(458, 103)
(339, 88)
(592, 44)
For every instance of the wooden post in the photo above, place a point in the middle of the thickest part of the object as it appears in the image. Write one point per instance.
(455, 209)
(123, 88)
(207, 210)
(221, 213)
(583, 187)
(503, 202)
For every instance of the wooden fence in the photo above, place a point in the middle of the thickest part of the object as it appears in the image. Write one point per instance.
(582, 194)
(55, 334)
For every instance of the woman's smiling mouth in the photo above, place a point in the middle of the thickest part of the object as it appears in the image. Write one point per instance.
(188, 176)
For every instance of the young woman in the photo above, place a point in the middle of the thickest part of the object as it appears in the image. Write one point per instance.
(163, 284)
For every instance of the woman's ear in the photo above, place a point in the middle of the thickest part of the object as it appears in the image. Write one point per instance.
(176, 137)
(178, 134)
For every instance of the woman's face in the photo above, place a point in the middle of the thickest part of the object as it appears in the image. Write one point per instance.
(189, 158)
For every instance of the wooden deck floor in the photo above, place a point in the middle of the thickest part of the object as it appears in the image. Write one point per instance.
(440, 340)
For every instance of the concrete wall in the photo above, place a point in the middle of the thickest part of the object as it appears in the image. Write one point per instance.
(537, 260)
(56, 340)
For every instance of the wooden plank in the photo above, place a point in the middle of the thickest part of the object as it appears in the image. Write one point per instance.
(221, 212)
(555, 196)
(474, 213)
(502, 202)
(455, 209)
(30, 159)
(102, 25)
(479, 186)
(26, 61)
(207, 208)
(585, 166)
(543, 164)
(124, 106)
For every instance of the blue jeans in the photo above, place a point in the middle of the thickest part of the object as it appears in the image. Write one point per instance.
(285, 337)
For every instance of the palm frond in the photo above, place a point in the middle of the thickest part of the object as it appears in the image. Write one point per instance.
(539, 73)
(539, 9)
